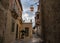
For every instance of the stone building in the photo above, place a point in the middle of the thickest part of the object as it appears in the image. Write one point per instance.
(3, 15)
(38, 20)
(50, 10)
(19, 12)
(27, 29)
(10, 20)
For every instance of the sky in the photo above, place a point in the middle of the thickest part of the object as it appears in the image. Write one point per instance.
(27, 15)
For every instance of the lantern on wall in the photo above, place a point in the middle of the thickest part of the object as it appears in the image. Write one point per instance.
(32, 8)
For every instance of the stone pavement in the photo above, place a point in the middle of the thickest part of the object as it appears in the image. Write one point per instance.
(35, 39)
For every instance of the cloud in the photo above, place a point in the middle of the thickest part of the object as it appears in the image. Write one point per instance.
(27, 14)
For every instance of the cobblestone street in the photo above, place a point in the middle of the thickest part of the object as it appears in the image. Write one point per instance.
(35, 39)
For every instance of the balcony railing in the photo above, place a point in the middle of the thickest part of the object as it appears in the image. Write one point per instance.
(14, 14)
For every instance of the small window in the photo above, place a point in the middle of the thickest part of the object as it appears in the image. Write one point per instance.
(13, 25)
(17, 31)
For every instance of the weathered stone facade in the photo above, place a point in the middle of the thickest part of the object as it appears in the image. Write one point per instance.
(50, 10)
(3, 16)
(27, 27)
(9, 19)
(19, 12)
(38, 20)
(2, 23)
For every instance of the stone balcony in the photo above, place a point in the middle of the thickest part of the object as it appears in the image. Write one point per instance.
(14, 14)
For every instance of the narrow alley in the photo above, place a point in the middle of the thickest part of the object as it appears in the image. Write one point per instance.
(34, 39)
(29, 21)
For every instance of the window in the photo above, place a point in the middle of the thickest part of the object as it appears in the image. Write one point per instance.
(13, 25)
(38, 16)
(17, 31)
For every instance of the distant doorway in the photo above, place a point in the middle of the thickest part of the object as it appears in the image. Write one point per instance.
(26, 31)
